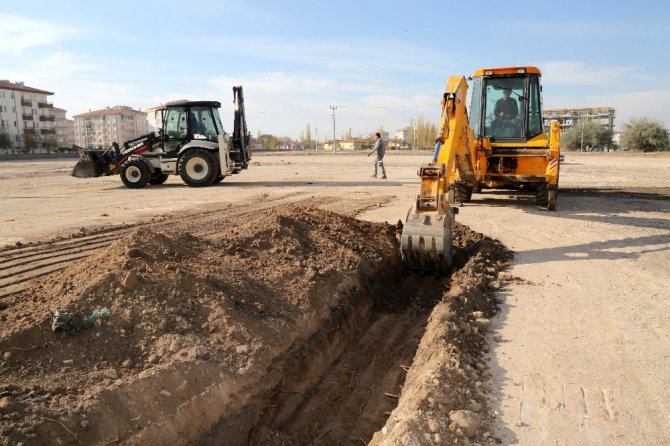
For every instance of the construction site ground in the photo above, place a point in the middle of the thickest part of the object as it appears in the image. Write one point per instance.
(273, 308)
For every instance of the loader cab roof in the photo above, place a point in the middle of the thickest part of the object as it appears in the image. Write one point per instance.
(506, 71)
(215, 104)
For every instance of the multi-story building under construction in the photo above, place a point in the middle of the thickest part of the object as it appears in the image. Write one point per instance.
(570, 117)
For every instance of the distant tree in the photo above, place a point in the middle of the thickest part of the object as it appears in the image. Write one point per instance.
(426, 132)
(308, 135)
(269, 141)
(50, 143)
(587, 136)
(645, 135)
(5, 140)
(30, 143)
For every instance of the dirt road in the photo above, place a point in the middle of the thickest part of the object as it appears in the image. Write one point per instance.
(579, 351)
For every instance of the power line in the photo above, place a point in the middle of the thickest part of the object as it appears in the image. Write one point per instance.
(347, 106)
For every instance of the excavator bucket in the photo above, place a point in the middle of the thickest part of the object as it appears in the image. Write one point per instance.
(427, 236)
(426, 243)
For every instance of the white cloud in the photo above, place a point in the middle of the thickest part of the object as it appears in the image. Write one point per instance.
(635, 104)
(372, 57)
(282, 103)
(575, 84)
(275, 83)
(19, 34)
(580, 73)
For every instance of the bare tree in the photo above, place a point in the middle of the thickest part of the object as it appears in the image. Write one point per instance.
(308, 135)
(426, 132)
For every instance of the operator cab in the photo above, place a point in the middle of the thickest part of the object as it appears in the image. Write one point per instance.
(506, 104)
(187, 121)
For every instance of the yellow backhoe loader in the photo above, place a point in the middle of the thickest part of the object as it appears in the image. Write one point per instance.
(502, 145)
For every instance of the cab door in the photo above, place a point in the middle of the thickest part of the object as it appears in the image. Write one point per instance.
(175, 128)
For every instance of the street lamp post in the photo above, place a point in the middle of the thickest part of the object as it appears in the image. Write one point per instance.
(414, 135)
(333, 108)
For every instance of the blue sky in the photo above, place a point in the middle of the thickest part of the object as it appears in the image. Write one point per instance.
(380, 63)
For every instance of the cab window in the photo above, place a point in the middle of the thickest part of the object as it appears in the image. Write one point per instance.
(504, 107)
(476, 107)
(175, 123)
(534, 108)
(202, 125)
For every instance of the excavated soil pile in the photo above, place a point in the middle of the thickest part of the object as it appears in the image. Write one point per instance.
(296, 327)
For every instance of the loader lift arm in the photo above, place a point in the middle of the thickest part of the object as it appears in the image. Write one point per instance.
(426, 241)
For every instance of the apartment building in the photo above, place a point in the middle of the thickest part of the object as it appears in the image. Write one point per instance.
(100, 128)
(25, 114)
(402, 135)
(570, 117)
(64, 128)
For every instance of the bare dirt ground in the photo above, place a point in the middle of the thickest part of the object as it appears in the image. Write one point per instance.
(263, 313)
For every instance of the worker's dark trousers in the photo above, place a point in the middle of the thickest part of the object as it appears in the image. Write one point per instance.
(379, 161)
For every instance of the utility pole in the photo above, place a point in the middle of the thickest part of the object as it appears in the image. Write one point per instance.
(582, 145)
(316, 137)
(333, 108)
(414, 134)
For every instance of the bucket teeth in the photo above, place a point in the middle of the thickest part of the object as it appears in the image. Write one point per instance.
(426, 242)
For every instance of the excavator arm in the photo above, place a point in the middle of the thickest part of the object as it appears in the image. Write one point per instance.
(427, 237)
(241, 152)
(455, 139)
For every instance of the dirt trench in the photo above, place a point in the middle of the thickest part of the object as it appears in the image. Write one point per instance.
(341, 385)
(299, 326)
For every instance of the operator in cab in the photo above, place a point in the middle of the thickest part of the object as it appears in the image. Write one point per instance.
(506, 110)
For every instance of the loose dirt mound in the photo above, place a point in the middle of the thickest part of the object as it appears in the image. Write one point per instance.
(266, 332)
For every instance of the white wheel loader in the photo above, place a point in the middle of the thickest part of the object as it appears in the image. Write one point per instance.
(190, 143)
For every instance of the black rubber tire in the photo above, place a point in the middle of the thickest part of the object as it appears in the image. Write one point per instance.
(218, 179)
(135, 174)
(552, 197)
(197, 168)
(158, 178)
(462, 193)
(542, 195)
